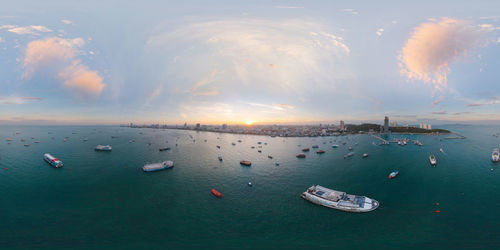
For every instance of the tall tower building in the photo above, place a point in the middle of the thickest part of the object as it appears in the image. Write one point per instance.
(342, 125)
(386, 124)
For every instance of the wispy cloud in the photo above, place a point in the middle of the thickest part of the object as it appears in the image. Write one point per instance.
(60, 55)
(288, 7)
(437, 101)
(65, 21)
(440, 112)
(433, 46)
(462, 113)
(29, 30)
(352, 11)
(13, 99)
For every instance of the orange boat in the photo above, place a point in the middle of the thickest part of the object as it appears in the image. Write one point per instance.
(216, 193)
(246, 163)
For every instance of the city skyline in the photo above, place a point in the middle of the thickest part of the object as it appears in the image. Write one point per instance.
(286, 62)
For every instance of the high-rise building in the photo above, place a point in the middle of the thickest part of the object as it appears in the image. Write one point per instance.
(198, 126)
(386, 124)
(342, 125)
(224, 126)
(429, 126)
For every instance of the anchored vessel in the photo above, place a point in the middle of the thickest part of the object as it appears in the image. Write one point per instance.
(103, 148)
(165, 148)
(54, 162)
(393, 174)
(339, 200)
(246, 163)
(158, 166)
(433, 160)
(494, 155)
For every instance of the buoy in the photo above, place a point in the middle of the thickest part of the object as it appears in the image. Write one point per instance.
(438, 211)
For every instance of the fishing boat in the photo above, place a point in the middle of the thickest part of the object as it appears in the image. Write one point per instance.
(300, 156)
(365, 155)
(158, 166)
(103, 148)
(54, 162)
(393, 174)
(165, 148)
(433, 160)
(320, 151)
(494, 155)
(216, 193)
(246, 163)
(305, 150)
(339, 200)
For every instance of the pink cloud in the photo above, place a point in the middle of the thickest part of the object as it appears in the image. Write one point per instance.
(437, 101)
(59, 55)
(433, 46)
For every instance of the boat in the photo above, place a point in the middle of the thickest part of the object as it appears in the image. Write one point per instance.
(365, 155)
(238, 140)
(433, 160)
(246, 163)
(320, 151)
(36, 142)
(54, 162)
(158, 166)
(220, 158)
(103, 148)
(218, 146)
(494, 155)
(335, 146)
(165, 148)
(270, 157)
(216, 193)
(393, 174)
(305, 150)
(315, 146)
(250, 184)
(300, 156)
(131, 141)
(26, 145)
(233, 144)
(259, 142)
(350, 148)
(339, 200)
(441, 150)
(260, 151)
(348, 155)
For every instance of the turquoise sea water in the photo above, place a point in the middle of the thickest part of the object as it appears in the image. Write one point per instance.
(103, 199)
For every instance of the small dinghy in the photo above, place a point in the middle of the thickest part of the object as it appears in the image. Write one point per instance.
(216, 193)
(393, 174)
(301, 156)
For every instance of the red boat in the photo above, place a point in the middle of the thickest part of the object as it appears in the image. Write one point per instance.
(216, 193)
(246, 163)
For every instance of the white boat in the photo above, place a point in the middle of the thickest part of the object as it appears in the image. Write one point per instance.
(158, 166)
(335, 146)
(54, 162)
(441, 150)
(433, 160)
(339, 200)
(495, 156)
(103, 148)
(365, 155)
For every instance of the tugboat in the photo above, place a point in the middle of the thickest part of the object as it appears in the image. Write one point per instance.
(393, 174)
(158, 166)
(246, 163)
(103, 148)
(54, 162)
(433, 160)
(300, 156)
(494, 155)
(339, 200)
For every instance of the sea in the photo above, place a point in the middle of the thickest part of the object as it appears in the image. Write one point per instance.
(103, 200)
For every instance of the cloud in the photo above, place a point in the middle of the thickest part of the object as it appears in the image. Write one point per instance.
(59, 56)
(379, 31)
(440, 113)
(16, 100)
(66, 21)
(1, 40)
(476, 104)
(288, 7)
(352, 11)
(81, 79)
(462, 113)
(29, 30)
(433, 46)
(437, 101)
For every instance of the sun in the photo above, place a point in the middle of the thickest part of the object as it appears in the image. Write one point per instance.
(249, 122)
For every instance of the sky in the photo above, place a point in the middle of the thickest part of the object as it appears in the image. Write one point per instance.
(265, 62)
